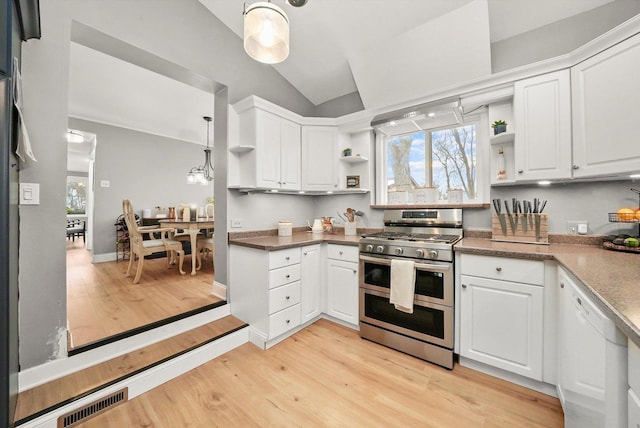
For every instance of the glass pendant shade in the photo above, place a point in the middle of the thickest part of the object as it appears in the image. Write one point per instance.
(266, 33)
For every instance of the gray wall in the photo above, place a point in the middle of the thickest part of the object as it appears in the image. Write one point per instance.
(42, 311)
(147, 169)
(560, 37)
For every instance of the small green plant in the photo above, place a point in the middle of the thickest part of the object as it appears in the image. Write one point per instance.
(346, 152)
(498, 123)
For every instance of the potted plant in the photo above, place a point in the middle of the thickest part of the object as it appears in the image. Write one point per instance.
(499, 126)
(346, 152)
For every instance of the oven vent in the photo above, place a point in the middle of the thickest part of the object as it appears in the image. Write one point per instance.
(92, 409)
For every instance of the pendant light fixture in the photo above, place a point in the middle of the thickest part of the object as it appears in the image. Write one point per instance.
(266, 32)
(203, 174)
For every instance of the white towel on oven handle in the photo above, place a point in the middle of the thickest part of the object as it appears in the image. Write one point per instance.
(403, 280)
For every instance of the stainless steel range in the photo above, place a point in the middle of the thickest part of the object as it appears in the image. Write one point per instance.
(426, 237)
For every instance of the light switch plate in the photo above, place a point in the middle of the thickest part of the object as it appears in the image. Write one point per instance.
(29, 193)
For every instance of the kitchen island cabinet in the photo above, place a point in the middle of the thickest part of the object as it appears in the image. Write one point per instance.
(501, 304)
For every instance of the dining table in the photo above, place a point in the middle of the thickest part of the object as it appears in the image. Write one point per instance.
(192, 227)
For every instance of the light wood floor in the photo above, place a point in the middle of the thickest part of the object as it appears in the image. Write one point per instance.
(101, 302)
(326, 375)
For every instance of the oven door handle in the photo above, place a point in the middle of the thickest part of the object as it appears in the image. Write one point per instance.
(421, 266)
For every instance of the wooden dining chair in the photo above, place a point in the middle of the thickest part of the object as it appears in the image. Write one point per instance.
(204, 246)
(139, 247)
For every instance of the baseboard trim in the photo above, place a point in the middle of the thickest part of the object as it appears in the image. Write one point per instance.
(34, 376)
(151, 378)
(106, 257)
(536, 385)
(219, 290)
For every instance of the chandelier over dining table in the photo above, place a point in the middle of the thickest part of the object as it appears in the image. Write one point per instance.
(203, 174)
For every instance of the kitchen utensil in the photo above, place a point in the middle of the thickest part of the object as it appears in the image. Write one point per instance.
(514, 224)
(525, 218)
(501, 219)
(317, 226)
(537, 221)
(344, 219)
(543, 205)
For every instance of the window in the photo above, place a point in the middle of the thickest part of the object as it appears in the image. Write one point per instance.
(77, 195)
(444, 158)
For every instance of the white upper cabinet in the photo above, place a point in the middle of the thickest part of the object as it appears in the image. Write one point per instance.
(319, 158)
(606, 102)
(269, 150)
(542, 110)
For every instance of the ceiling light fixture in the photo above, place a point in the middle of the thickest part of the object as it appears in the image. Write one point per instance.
(203, 174)
(74, 137)
(266, 32)
(634, 176)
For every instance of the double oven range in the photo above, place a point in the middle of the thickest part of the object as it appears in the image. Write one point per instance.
(426, 237)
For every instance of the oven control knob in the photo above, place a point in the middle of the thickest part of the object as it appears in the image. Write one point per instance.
(380, 249)
(433, 254)
(369, 248)
(399, 251)
(420, 253)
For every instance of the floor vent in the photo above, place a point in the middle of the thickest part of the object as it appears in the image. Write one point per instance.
(90, 410)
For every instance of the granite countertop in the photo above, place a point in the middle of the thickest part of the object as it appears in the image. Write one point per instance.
(298, 239)
(612, 278)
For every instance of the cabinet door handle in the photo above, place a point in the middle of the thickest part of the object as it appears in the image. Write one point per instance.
(520, 171)
(498, 269)
(340, 252)
(561, 284)
(287, 258)
(355, 271)
(288, 321)
(306, 253)
(288, 276)
(287, 297)
(575, 166)
(464, 285)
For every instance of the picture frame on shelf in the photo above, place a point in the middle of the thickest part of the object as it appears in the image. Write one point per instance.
(353, 181)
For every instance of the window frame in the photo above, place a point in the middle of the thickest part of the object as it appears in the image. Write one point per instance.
(79, 178)
(479, 119)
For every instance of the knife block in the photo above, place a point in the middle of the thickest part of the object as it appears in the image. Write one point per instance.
(537, 228)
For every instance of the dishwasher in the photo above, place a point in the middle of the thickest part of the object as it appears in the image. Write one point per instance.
(592, 372)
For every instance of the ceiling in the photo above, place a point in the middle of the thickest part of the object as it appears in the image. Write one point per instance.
(334, 45)
(327, 36)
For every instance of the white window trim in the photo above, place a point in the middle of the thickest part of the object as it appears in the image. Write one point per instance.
(483, 182)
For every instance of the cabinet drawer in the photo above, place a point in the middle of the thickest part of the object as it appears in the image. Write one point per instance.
(342, 252)
(284, 296)
(505, 269)
(284, 257)
(283, 321)
(284, 275)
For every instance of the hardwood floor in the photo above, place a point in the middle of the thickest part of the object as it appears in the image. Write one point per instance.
(67, 388)
(325, 375)
(101, 302)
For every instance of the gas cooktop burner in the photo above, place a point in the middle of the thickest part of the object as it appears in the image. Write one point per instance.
(414, 237)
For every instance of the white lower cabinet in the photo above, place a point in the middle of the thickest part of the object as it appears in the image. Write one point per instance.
(501, 320)
(265, 291)
(633, 395)
(311, 282)
(277, 291)
(342, 283)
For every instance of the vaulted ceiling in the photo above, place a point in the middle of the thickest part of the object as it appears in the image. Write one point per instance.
(381, 52)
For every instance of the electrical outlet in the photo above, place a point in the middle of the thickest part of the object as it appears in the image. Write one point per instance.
(236, 222)
(577, 227)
